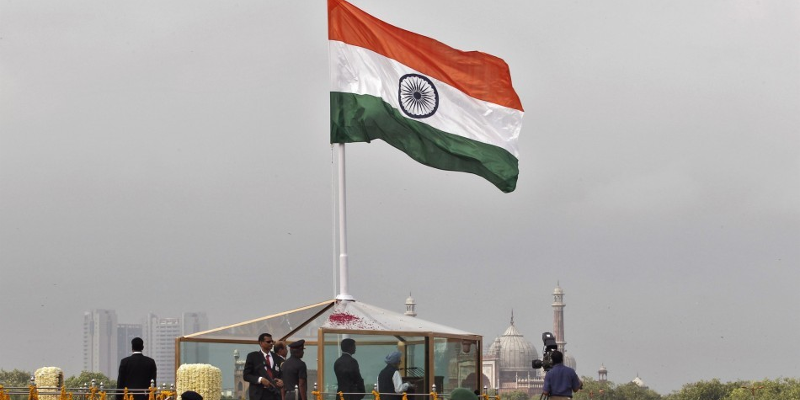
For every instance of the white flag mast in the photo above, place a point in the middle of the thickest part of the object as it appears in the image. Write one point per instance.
(342, 221)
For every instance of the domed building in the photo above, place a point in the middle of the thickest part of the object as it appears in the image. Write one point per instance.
(507, 364)
(639, 382)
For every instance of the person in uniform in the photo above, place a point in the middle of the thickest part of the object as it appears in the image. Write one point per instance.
(295, 373)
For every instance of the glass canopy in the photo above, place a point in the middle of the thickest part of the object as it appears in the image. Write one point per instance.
(433, 354)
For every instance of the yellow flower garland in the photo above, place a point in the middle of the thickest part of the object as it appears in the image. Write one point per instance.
(48, 379)
(205, 379)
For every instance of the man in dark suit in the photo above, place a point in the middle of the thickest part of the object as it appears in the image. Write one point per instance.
(136, 371)
(262, 371)
(347, 372)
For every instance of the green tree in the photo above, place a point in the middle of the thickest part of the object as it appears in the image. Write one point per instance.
(15, 378)
(515, 396)
(85, 378)
(705, 390)
(632, 391)
(779, 389)
(594, 390)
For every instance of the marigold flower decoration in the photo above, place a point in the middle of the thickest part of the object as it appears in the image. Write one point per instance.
(33, 393)
(165, 395)
(3, 394)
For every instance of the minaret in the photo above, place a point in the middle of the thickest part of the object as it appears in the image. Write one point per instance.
(239, 384)
(410, 306)
(558, 317)
(602, 374)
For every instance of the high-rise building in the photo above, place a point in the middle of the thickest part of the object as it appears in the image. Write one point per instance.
(126, 333)
(100, 342)
(193, 322)
(105, 342)
(159, 343)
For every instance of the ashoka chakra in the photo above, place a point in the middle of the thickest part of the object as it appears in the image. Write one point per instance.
(418, 97)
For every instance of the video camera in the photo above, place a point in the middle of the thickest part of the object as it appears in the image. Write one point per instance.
(550, 345)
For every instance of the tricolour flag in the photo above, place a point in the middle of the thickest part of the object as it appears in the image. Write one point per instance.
(445, 108)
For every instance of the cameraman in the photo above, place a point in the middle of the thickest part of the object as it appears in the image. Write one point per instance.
(561, 380)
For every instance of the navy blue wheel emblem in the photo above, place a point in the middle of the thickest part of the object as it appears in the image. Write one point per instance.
(418, 97)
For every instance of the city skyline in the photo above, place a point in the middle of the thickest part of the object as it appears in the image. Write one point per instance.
(176, 155)
(104, 348)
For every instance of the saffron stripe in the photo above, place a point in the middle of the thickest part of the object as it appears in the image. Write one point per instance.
(477, 74)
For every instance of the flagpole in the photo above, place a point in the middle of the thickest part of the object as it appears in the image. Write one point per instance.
(343, 271)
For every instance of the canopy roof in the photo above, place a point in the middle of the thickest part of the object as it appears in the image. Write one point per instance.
(304, 323)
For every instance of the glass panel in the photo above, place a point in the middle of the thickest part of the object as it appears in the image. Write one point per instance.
(371, 351)
(279, 325)
(230, 358)
(455, 364)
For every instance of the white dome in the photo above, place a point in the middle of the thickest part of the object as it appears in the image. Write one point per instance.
(494, 349)
(516, 353)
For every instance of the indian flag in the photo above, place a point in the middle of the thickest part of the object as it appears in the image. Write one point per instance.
(446, 108)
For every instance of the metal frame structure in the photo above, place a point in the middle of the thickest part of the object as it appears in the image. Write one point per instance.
(313, 322)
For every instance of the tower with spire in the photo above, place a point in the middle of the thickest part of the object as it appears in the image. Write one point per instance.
(602, 374)
(558, 325)
(410, 306)
(558, 317)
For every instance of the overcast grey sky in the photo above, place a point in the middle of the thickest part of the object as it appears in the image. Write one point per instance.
(173, 156)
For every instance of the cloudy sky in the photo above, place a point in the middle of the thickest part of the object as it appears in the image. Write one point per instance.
(173, 156)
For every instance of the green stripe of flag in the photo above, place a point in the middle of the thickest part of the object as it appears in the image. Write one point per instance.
(362, 118)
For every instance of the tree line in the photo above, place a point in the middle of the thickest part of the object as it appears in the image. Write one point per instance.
(767, 389)
(21, 379)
